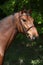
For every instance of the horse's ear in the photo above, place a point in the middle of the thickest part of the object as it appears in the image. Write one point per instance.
(23, 11)
(29, 11)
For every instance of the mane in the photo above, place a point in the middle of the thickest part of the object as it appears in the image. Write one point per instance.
(26, 11)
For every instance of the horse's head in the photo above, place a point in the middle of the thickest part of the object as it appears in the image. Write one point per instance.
(26, 25)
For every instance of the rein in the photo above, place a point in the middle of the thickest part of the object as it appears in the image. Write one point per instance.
(22, 25)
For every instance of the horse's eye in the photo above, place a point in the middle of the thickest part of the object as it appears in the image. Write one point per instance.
(23, 20)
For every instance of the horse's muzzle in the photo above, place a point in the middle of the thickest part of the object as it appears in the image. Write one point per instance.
(33, 37)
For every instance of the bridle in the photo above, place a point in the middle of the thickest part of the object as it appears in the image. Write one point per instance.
(24, 29)
(30, 28)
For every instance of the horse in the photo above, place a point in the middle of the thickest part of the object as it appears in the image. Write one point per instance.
(10, 26)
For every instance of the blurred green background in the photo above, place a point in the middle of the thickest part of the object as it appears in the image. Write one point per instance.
(22, 51)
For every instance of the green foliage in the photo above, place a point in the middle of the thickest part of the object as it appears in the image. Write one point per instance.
(9, 6)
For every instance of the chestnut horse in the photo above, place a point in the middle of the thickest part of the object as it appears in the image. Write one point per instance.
(20, 22)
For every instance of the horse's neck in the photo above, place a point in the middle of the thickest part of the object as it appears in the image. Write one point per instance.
(7, 31)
